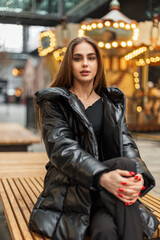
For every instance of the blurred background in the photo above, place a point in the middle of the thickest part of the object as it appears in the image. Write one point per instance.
(34, 35)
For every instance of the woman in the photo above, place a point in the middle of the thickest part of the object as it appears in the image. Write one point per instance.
(95, 173)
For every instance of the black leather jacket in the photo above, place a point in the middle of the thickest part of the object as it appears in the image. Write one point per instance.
(62, 210)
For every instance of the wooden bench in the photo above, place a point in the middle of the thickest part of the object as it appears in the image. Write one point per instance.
(21, 164)
(14, 137)
(18, 196)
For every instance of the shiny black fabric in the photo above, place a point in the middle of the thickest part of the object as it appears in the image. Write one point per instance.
(62, 211)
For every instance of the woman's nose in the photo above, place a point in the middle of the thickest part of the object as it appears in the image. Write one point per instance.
(85, 62)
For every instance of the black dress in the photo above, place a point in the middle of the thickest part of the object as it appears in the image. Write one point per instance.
(110, 218)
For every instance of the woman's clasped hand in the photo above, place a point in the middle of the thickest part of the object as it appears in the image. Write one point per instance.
(123, 184)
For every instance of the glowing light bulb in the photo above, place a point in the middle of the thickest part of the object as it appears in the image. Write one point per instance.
(101, 44)
(107, 23)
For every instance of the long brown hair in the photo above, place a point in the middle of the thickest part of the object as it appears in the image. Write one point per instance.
(64, 76)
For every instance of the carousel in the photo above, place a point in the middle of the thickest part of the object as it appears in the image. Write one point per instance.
(131, 55)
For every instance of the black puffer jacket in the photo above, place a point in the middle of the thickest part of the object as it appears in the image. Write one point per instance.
(62, 210)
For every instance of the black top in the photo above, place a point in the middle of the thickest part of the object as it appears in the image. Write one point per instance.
(95, 115)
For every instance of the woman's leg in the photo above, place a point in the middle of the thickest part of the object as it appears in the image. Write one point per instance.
(127, 218)
(103, 226)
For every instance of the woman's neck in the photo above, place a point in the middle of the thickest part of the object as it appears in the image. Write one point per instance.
(82, 91)
(86, 94)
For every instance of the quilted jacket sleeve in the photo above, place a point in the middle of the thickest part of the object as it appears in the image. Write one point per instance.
(64, 151)
(130, 150)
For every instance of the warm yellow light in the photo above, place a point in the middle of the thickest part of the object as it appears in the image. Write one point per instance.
(115, 25)
(15, 72)
(141, 61)
(135, 38)
(80, 33)
(123, 44)
(136, 74)
(107, 45)
(129, 43)
(136, 30)
(139, 109)
(51, 36)
(135, 34)
(100, 25)
(127, 26)
(151, 48)
(115, 44)
(152, 59)
(126, 58)
(101, 44)
(17, 92)
(122, 24)
(93, 25)
(83, 27)
(136, 80)
(147, 61)
(107, 23)
(137, 86)
(133, 25)
(89, 27)
(59, 54)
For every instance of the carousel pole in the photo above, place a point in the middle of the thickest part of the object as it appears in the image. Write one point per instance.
(145, 70)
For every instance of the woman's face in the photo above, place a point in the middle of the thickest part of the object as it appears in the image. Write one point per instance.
(84, 63)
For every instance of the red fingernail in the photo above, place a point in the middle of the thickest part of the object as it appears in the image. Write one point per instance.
(131, 202)
(124, 183)
(136, 177)
(139, 179)
(120, 189)
(139, 194)
(132, 173)
(143, 187)
(121, 195)
(126, 204)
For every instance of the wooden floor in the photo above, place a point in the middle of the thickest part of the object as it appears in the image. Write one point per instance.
(21, 164)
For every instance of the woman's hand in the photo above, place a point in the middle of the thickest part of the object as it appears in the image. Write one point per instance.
(123, 184)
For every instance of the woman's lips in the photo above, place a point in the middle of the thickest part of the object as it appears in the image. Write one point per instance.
(84, 73)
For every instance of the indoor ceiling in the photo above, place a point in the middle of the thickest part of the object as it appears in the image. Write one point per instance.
(45, 12)
(50, 12)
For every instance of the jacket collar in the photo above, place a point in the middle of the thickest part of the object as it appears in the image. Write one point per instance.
(55, 92)
(111, 93)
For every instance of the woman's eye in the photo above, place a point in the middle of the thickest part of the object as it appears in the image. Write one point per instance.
(77, 59)
(92, 58)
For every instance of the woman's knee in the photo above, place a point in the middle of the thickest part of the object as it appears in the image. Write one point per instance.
(103, 227)
(125, 163)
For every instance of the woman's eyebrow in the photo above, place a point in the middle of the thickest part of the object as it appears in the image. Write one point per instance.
(79, 54)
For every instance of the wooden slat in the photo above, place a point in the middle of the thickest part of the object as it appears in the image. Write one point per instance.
(36, 184)
(34, 188)
(17, 213)
(152, 202)
(28, 189)
(25, 194)
(40, 181)
(12, 224)
(19, 196)
(21, 201)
